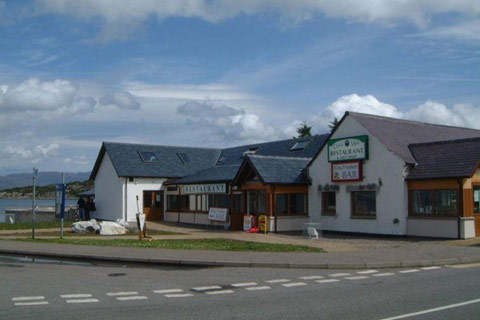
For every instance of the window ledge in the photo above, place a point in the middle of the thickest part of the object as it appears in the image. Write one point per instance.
(444, 217)
(329, 214)
(364, 217)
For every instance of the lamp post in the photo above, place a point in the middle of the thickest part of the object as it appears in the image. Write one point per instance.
(35, 173)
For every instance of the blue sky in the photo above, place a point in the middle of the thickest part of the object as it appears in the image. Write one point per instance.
(220, 73)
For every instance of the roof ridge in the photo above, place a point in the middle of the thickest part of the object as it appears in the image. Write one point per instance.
(277, 157)
(275, 141)
(161, 145)
(440, 142)
(408, 121)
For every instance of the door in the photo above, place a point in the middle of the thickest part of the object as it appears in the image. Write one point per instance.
(256, 203)
(153, 205)
(237, 211)
(476, 209)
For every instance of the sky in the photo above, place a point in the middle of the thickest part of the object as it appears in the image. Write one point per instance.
(220, 73)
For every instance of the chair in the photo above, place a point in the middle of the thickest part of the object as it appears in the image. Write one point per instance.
(312, 233)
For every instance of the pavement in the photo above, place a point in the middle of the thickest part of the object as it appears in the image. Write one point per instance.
(342, 251)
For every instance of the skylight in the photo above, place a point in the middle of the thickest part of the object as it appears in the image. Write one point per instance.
(300, 145)
(184, 157)
(148, 156)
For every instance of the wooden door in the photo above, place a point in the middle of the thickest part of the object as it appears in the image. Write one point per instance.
(153, 205)
(237, 211)
(476, 209)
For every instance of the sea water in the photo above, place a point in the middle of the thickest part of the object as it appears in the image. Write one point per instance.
(27, 203)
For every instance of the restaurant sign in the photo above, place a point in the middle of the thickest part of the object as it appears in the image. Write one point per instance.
(347, 171)
(344, 149)
(204, 188)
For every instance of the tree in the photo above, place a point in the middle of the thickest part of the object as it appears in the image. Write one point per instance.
(333, 124)
(304, 130)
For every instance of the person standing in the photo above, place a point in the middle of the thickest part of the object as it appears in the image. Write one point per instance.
(81, 208)
(91, 207)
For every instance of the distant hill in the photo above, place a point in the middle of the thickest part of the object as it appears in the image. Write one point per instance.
(48, 191)
(17, 180)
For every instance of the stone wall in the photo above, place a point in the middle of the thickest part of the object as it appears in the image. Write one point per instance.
(42, 214)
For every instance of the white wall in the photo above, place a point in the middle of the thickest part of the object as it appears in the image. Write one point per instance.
(136, 187)
(392, 196)
(109, 192)
(439, 228)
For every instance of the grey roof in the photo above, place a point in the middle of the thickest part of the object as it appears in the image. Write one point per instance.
(445, 159)
(128, 163)
(214, 174)
(397, 134)
(280, 170)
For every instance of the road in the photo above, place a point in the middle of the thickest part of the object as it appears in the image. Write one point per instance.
(52, 290)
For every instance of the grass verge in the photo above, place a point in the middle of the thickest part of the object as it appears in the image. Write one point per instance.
(38, 225)
(183, 244)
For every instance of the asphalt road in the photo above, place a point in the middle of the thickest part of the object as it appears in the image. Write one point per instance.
(46, 290)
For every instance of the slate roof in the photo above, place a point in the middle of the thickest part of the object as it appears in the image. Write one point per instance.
(397, 134)
(128, 163)
(281, 170)
(445, 159)
(214, 174)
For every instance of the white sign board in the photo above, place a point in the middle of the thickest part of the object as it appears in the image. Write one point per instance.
(347, 171)
(217, 214)
(204, 188)
(344, 149)
(140, 220)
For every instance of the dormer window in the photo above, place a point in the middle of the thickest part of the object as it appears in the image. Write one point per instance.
(300, 145)
(148, 156)
(251, 150)
(184, 157)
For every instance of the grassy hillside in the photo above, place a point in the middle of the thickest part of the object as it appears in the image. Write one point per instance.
(47, 192)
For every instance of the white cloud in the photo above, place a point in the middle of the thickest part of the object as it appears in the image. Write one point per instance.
(467, 31)
(121, 99)
(32, 154)
(122, 17)
(226, 123)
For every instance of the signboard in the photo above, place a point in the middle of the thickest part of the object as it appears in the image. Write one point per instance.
(247, 222)
(347, 171)
(204, 188)
(262, 223)
(351, 148)
(217, 214)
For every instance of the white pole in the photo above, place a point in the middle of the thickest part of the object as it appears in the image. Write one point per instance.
(63, 205)
(35, 171)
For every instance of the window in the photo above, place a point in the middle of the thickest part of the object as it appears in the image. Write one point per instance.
(434, 202)
(329, 202)
(172, 202)
(300, 145)
(147, 199)
(238, 202)
(364, 204)
(184, 203)
(148, 156)
(281, 203)
(256, 202)
(185, 158)
(219, 200)
(290, 203)
(476, 200)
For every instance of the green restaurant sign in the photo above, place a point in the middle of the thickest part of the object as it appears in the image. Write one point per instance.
(351, 148)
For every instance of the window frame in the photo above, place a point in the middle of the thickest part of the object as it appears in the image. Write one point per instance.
(326, 211)
(353, 214)
(434, 214)
(289, 205)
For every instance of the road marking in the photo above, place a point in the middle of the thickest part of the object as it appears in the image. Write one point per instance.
(220, 292)
(456, 305)
(244, 284)
(82, 300)
(207, 288)
(367, 272)
(277, 281)
(179, 295)
(327, 280)
(115, 294)
(431, 268)
(311, 277)
(357, 278)
(168, 291)
(408, 271)
(258, 288)
(464, 266)
(76, 295)
(28, 298)
(32, 303)
(386, 274)
(294, 284)
(131, 298)
(339, 274)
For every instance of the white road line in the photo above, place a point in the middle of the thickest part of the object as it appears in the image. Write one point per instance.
(220, 292)
(277, 281)
(244, 284)
(258, 288)
(207, 288)
(168, 291)
(339, 274)
(357, 278)
(450, 306)
(179, 295)
(367, 272)
(28, 298)
(131, 298)
(408, 271)
(327, 280)
(76, 295)
(32, 303)
(311, 277)
(430, 268)
(386, 274)
(82, 300)
(294, 284)
(127, 293)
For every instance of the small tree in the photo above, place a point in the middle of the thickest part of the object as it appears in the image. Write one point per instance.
(333, 124)
(304, 130)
